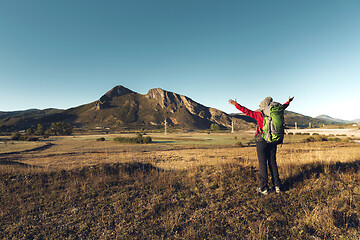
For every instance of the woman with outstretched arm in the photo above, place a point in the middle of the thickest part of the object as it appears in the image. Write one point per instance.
(266, 151)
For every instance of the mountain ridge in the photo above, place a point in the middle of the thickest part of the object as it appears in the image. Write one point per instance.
(122, 108)
(336, 120)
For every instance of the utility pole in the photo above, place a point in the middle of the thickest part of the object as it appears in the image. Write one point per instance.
(165, 126)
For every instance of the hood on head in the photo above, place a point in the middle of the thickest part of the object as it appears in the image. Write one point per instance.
(264, 103)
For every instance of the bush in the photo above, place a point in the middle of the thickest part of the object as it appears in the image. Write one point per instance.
(100, 139)
(308, 139)
(335, 139)
(19, 137)
(29, 131)
(40, 130)
(321, 138)
(15, 136)
(214, 127)
(239, 144)
(139, 139)
(61, 128)
(29, 138)
(147, 139)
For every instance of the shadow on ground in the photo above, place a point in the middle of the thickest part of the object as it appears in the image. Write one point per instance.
(7, 159)
(314, 170)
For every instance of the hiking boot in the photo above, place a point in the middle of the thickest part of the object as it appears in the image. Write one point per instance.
(263, 192)
(277, 189)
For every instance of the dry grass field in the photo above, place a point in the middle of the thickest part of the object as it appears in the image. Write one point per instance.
(181, 186)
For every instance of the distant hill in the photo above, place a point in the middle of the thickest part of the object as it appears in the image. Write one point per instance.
(336, 120)
(13, 113)
(122, 108)
(332, 120)
(27, 118)
(304, 121)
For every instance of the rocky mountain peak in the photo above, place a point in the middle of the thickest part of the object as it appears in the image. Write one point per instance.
(174, 102)
(164, 98)
(117, 91)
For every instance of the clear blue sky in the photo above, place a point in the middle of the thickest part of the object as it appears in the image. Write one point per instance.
(66, 53)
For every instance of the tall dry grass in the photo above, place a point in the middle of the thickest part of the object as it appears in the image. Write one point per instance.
(291, 157)
(86, 189)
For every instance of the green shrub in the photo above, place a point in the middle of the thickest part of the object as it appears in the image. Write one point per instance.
(335, 139)
(147, 139)
(215, 127)
(15, 136)
(316, 138)
(309, 139)
(122, 139)
(19, 137)
(239, 144)
(139, 139)
(320, 138)
(40, 130)
(61, 129)
(29, 131)
(29, 138)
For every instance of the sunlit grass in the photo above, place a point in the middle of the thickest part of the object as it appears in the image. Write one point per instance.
(18, 146)
(82, 188)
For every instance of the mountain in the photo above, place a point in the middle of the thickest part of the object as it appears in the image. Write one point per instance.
(336, 120)
(13, 113)
(303, 121)
(27, 118)
(122, 108)
(331, 120)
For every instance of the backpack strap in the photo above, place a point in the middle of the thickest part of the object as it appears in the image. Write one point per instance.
(269, 127)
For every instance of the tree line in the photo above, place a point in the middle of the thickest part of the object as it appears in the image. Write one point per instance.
(56, 129)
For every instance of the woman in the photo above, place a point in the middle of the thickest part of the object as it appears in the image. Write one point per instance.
(266, 151)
